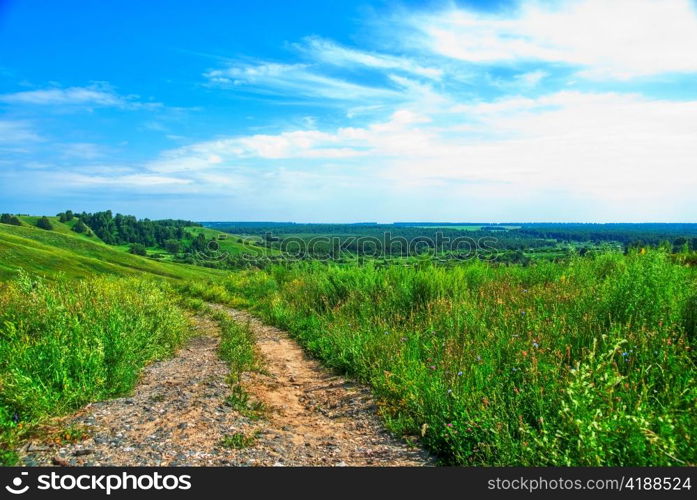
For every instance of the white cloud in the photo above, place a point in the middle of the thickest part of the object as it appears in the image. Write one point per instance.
(141, 180)
(606, 149)
(17, 132)
(82, 150)
(329, 52)
(294, 80)
(608, 39)
(97, 95)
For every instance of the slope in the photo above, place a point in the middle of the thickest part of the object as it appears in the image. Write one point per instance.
(62, 251)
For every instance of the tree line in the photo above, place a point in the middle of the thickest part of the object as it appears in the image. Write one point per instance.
(127, 229)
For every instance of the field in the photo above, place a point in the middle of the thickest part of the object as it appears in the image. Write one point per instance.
(49, 253)
(564, 359)
(589, 362)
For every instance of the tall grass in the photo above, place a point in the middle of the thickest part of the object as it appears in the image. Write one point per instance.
(589, 362)
(66, 343)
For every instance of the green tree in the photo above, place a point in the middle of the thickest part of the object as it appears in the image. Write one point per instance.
(80, 227)
(138, 249)
(10, 219)
(172, 246)
(62, 217)
(199, 244)
(69, 215)
(44, 223)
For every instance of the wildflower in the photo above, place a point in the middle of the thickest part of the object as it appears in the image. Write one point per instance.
(450, 391)
(386, 332)
(479, 358)
(404, 339)
(535, 344)
(625, 354)
(459, 374)
(433, 367)
(449, 425)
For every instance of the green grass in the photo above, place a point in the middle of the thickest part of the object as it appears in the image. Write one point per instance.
(231, 244)
(586, 362)
(66, 343)
(237, 348)
(237, 345)
(589, 361)
(50, 253)
(239, 440)
(58, 227)
(86, 329)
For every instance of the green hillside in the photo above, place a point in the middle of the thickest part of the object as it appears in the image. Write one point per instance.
(61, 250)
(231, 243)
(59, 227)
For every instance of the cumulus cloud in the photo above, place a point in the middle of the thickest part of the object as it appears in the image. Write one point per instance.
(608, 39)
(606, 147)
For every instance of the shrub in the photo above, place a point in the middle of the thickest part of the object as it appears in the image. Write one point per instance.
(10, 219)
(172, 246)
(80, 227)
(138, 249)
(44, 223)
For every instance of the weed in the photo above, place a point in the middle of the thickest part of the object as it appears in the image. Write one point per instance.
(239, 440)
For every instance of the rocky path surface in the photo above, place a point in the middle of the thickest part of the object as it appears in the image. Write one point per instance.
(178, 415)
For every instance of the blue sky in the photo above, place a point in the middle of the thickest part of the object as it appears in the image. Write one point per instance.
(334, 111)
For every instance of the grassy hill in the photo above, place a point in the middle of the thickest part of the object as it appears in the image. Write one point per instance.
(61, 250)
(230, 243)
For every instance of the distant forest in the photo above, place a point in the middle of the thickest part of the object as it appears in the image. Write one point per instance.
(126, 229)
(527, 235)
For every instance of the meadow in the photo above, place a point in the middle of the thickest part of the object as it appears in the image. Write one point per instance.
(586, 362)
(66, 343)
(580, 360)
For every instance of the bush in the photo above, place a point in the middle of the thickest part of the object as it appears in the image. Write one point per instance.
(10, 219)
(172, 246)
(138, 249)
(80, 227)
(44, 223)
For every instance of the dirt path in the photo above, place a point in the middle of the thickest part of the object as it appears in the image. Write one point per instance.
(178, 414)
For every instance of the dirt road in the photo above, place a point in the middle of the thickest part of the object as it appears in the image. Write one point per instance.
(178, 415)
